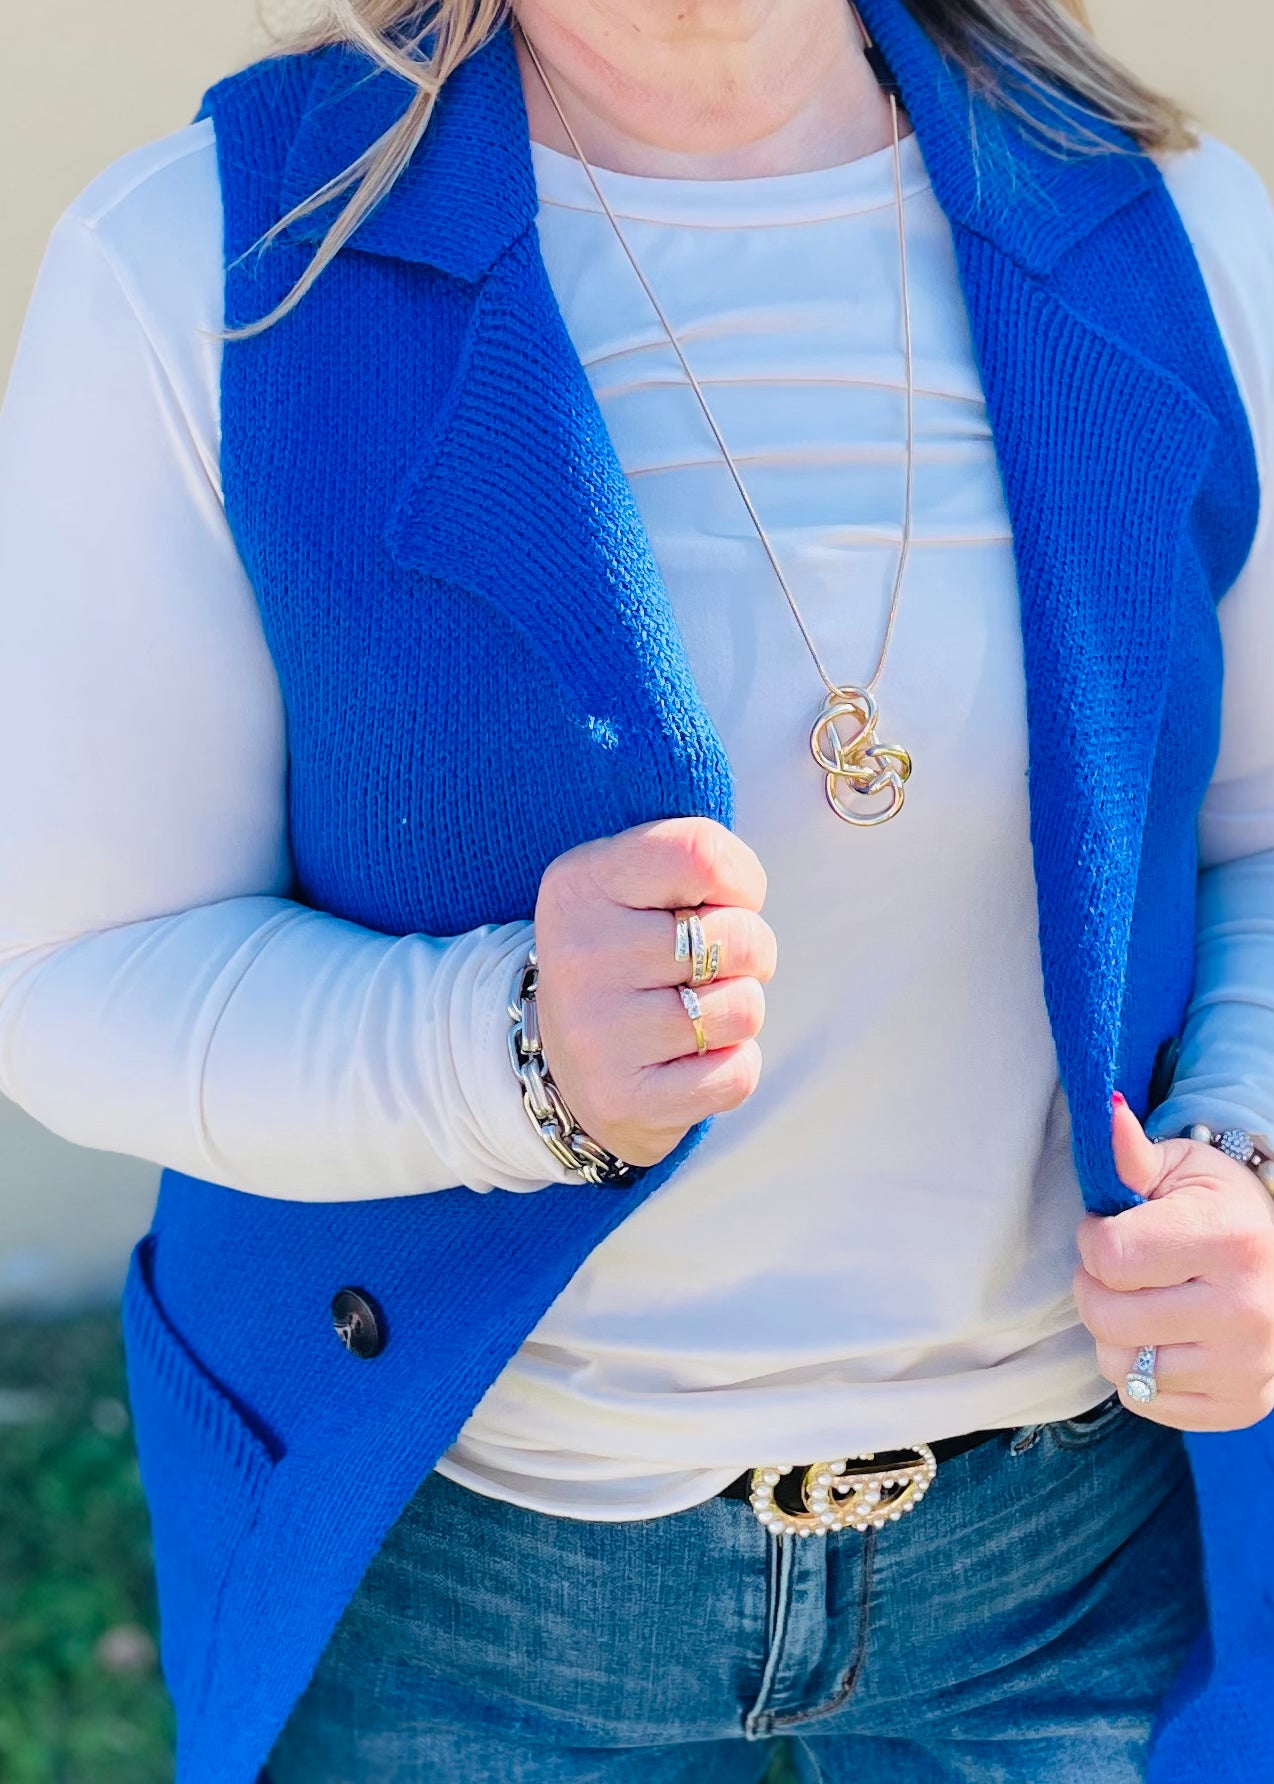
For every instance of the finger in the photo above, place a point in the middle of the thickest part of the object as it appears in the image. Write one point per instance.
(681, 861)
(1129, 1318)
(1179, 1368)
(1157, 1244)
(683, 1091)
(1138, 1160)
(1188, 1412)
(747, 944)
(732, 1010)
(1193, 1389)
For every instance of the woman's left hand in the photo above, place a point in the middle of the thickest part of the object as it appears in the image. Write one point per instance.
(1190, 1269)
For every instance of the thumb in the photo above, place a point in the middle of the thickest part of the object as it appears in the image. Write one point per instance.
(1138, 1160)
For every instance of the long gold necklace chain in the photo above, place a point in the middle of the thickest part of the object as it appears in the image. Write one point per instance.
(864, 779)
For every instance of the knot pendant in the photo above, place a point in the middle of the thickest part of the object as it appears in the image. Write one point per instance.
(864, 779)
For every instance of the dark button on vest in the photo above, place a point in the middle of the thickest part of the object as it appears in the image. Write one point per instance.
(357, 1324)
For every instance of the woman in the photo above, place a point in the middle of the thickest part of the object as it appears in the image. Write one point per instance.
(488, 488)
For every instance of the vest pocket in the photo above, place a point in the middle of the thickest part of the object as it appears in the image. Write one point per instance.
(204, 1470)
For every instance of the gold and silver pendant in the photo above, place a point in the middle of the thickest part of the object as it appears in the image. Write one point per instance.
(865, 780)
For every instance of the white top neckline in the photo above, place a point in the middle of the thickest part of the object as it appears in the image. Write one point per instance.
(818, 195)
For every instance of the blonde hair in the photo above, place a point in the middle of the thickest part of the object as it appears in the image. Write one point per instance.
(1011, 51)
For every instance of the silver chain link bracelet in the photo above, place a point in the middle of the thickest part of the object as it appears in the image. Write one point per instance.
(546, 1110)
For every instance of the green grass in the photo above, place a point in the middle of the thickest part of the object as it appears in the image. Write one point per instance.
(80, 1697)
(81, 1701)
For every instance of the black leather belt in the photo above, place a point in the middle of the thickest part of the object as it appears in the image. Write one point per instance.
(943, 1451)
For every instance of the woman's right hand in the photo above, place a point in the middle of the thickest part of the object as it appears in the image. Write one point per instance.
(617, 1039)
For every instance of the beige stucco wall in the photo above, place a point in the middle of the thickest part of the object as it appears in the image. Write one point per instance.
(80, 84)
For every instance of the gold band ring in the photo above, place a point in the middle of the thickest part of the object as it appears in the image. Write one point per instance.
(691, 944)
(695, 1012)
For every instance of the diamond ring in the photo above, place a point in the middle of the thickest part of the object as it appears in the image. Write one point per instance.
(694, 1010)
(1140, 1384)
(692, 945)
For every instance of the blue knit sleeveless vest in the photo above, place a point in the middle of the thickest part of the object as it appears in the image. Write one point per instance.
(480, 669)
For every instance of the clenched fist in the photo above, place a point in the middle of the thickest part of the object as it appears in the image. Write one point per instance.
(616, 1036)
(1189, 1269)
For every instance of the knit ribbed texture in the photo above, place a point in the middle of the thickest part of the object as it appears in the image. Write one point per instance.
(480, 669)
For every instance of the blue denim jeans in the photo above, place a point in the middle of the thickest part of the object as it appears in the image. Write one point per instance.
(1019, 1627)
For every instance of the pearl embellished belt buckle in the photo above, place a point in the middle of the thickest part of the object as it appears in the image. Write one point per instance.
(858, 1493)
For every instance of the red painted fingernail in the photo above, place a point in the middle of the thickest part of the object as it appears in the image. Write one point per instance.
(1118, 1100)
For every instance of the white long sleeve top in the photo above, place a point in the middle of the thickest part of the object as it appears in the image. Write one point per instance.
(878, 1247)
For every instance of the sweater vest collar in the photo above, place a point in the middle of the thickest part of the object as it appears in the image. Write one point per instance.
(469, 191)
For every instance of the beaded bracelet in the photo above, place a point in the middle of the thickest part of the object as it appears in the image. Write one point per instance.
(1255, 1151)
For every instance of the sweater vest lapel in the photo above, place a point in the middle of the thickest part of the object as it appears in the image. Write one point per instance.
(1101, 454)
(519, 497)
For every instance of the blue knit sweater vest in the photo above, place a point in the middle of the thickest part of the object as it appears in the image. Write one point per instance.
(481, 669)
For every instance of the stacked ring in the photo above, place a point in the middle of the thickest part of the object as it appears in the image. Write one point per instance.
(695, 1012)
(1140, 1384)
(691, 944)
